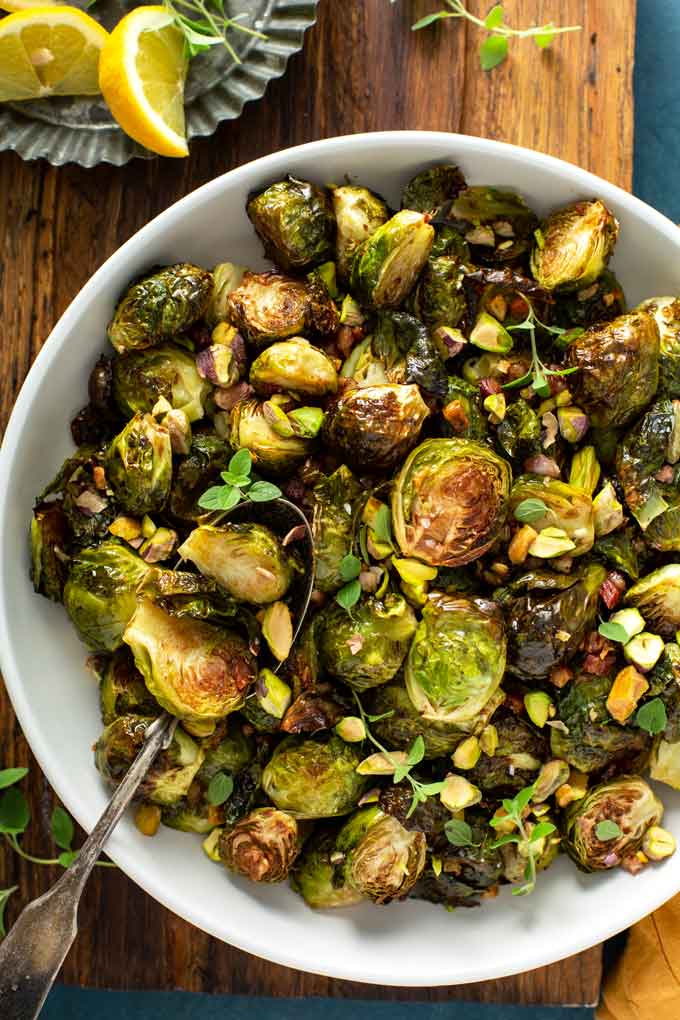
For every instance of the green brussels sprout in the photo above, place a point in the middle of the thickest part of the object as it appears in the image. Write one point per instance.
(388, 263)
(295, 366)
(319, 878)
(86, 504)
(399, 724)
(172, 772)
(247, 560)
(246, 792)
(519, 435)
(519, 754)
(358, 214)
(497, 223)
(548, 616)
(272, 452)
(449, 501)
(449, 241)
(433, 190)
(466, 872)
(567, 508)
(628, 803)
(367, 648)
(439, 297)
(574, 245)
(314, 778)
(139, 465)
(463, 414)
(618, 368)
(122, 690)
(657, 596)
(602, 301)
(666, 312)
(141, 378)
(186, 816)
(269, 306)
(50, 540)
(100, 593)
(262, 846)
(383, 859)
(196, 671)
(374, 427)
(228, 749)
(295, 223)
(227, 277)
(335, 503)
(652, 443)
(456, 660)
(159, 306)
(208, 456)
(622, 550)
(593, 741)
(184, 593)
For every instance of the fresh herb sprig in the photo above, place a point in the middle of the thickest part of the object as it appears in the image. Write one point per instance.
(494, 48)
(238, 485)
(538, 375)
(204, 24)
(528, 840)
(350, 593)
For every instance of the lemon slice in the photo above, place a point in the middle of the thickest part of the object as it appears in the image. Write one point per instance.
(141, 75)
(23, 5)
(49, 51)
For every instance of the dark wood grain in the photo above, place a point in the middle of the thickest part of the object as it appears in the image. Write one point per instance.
(361, 70)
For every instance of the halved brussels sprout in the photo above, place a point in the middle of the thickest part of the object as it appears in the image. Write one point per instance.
(335, 504)
(358, 214)
(433, 190)
(208, 456)
(318, 877)
(100, 593)
(142, 377)
(449, 501)
(227, 276)
(262, 846)
(272, 452)
(160, 306)
(139, 465)
(294, 366)
(368, 647)
(566, 507)
(247, 560)
(50, 540)
(515, 855)
(628, 803)
(387, 265)
(121, 687)
(497, 223)
(519, 754)
(295, 222)
(399, 723)
(268, 307)
(664, 764)
(651, 445)
(172, 772)
(191, 816)
(574, 245)
(314, 778)
(657, 596)
(666, 312)
(456, 660)
(374, 427)
(439, 297)
(383, 859)
(195, 670)
(618, 365)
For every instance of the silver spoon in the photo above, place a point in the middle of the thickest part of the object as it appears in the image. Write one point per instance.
(32, 953)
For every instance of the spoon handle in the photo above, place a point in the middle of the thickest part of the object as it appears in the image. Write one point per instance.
(33, 952)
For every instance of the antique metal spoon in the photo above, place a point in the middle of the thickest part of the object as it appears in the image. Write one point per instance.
(33, 952)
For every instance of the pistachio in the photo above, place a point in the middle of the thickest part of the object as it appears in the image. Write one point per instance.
(658, 843)
(626, 691)
(644, 650)
(351, 728)
(273, 694)
(551, 542)
(458, 793)
(148, 819)
(467, 753)
(488, 740)
(277, 630)
(380, 764)
(522, 540)
(539, 707)
(413, 571)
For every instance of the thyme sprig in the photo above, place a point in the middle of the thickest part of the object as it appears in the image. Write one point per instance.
(538, 375)
(204, 24)
(528, 840)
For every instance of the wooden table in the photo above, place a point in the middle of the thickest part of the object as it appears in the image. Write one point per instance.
(361, 70)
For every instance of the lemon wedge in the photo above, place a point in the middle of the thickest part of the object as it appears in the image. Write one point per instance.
(49, 51)
(23, 5)
(141, 75)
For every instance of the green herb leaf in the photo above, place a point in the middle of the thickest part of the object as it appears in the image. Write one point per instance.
(4, 897)
(67, 857)
(524, 890)
(241, 463)
(220, 497)
(495, 17)
(220, 789)
(606, 830)
(377, 718)
(458, 832)
(510, 837)
(401, 772)
(14, 812)
(614, 632)
(652, 716)
(348, 595)
(530, 510)
(350, 567)
(240, 481)
(263, 492)
(430, 19)
(522, 799)
(417, 751)
(431, 789)
(541, 830)
(545, 38)
(8, 777)
(493, 52)
(382, 525)
(62, 828)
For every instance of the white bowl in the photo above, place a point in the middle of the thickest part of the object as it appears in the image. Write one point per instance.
(43, 661)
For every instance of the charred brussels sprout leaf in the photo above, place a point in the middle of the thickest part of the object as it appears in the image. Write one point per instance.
(295, 366)
(160, 306)
(657, 596)
(519, 434)
(373, 427)
(335, 504)
(367, 647)
(314, 778)
(295, 222)
(319, 878)
(358, 214)
(271, 451)
(618, 368)
(466, 872)
(384, 860)
(574, 246)
(602, 301)
(121, 687)
(628, 803)
(87, 505)
(652, 444)
(449, 501)
(520, 751)
(100, 593)
(463, 415)
(398, 723)
(139, 465)
(195, 670)
(457, 659)
(142, 377)
(227, 750)
(432, 191)
(566, 507)
(497, 223)
(50, 541)
(207, 457)
(622, 550)
(389, 262)
(262, 846)
(666, 312)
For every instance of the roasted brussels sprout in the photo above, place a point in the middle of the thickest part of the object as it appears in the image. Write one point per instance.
(497, 223)
(519, 435)
(628, 803)
(449, 501)
(618, 368)
(335, 502)
(50, 540)
(358, 214)
(374, 427)
(456, 660)
(467, 873)
(228, 749)
(383, 859)
(295, 366)
(262, 846)
(226, 277)
(368, 647)
(142, 377)
(195, 670)
(319, 877)
(314, 778)
(657, 596)
(86, 497)
(207, 457)
(160, 306)
(295, 222)
(602, 301)
(191, 816)
(172, 772)
(463, 414)
(100, 593)
(389, 262)
(398, 723)
(666, 312)
(643, 460)
(519, 754)
(574, 245)
(268, 307)
(272, 452)
(432, 191)
(139, 465)
(440, 298)
(566, 507)
(247, 560)
(121, 687)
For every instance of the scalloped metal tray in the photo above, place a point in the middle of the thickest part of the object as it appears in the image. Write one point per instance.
(80, 129)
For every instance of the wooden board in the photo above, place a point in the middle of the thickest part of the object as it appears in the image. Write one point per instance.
(361, 70)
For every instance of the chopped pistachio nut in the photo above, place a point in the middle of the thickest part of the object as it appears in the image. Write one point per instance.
(160, 546)
(488, 740)
(436, 865)
(551, 542)
(626, 691)
(277, 630)
(574, 789)
(370, 511)
(630, 619)
(351, 728)
(644, 650)
(467, 753)
(350, 313)
(539, 707)
(521, 542)
(148, 526)
(378, 550)
(658, 843)
(495, 405)
(573, 423)
(273, 694)
(503, 823)
(148, 819)
(379, 764)
(552, 776)
(490, 335)
(585, 470)
(413, 571)
(458, 793)
(127, 528)
(608, 511)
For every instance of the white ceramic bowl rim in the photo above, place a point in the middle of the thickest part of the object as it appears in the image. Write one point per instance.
(440, 969)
